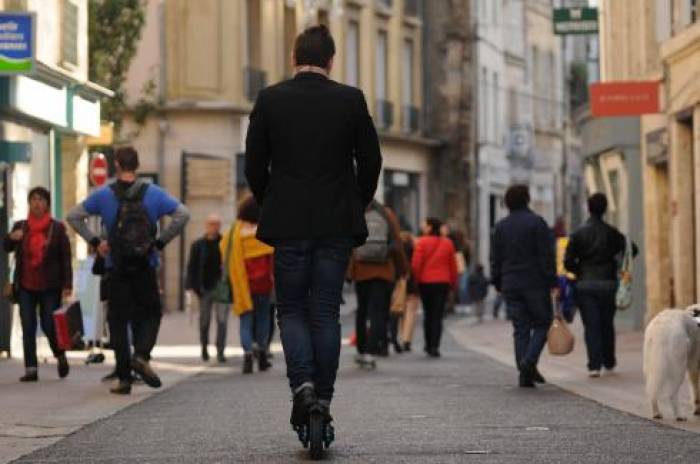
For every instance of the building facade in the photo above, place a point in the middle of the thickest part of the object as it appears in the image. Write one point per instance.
(200, 65)
(46, 119)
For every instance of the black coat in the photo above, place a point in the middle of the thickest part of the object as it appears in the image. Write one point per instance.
(594, 251)
(312, 159)
(523, 253)
(203, 269)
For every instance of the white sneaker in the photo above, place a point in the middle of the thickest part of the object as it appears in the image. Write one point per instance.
(594, 374)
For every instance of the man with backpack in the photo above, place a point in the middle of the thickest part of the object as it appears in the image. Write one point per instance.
(130, 209)
(374, 268)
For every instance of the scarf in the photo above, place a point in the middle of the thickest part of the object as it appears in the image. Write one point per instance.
(36, 239)
(244, 246)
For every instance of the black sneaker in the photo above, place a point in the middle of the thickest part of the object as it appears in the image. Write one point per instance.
(397, 347)
(220, 358)
(63, 366)
(30, 376)
(303, 400)
(205, 353)
(145, 371)
(527, 375)
(407, 347)
(248, 363)
(121, 388)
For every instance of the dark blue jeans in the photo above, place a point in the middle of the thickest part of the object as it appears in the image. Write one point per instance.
(48, 301)
(596, 301)
(309, 276)
(255, 324)
(531, 313)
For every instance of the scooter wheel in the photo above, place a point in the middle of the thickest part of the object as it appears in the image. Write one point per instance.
(316, 436)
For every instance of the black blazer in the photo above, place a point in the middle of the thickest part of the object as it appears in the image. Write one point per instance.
(312, 160)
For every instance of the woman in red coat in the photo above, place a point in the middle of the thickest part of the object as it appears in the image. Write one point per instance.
(435, 270)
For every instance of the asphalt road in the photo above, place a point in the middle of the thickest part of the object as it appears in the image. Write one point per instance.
(462, 408)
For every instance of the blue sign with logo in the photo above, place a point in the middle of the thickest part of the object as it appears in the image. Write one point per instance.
(17, 42)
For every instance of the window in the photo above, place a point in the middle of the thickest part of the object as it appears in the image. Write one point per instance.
(484, 130)
(512, 106)
(69, 33)
(693, 11)
(290, 32)
(496, 108)
(408, 65)
(254, 33)
(381, 65)
(352, 54)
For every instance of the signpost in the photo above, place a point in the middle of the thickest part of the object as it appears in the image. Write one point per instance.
(17, 43)
(568, 21)
(99, 170)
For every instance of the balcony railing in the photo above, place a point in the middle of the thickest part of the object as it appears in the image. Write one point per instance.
(254, 80)
(385, 114)
(412, 8)
(410, 121)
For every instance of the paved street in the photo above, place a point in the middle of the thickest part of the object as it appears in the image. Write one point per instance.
(461, 408)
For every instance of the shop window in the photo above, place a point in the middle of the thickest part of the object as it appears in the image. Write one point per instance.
(69, 33)
(402, 195)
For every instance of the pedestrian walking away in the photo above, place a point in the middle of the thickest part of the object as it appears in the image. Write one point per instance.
(250, 273)
(313, 163)
(592, 255)
(408, 321)
(130, 209)
(478, 290)
(203, 274)
(523, 269)
(435, 269)
(42, 277)
(374, 268)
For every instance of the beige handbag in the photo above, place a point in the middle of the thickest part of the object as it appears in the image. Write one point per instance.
(560, 340)
(398, 298)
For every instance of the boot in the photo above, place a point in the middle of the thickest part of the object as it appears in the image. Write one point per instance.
(397, 347)
(145, 371)
(31, 374)
(63, 366)
(304, 398)
(263, 361)
(527, 375)
(123, 387)
(205, 353)
(248, 363)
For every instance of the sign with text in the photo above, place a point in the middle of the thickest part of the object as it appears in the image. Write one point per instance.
(624, 98)
(17, 43)
(575, 21)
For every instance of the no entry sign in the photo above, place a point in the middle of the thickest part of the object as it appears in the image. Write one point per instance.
(99, 170)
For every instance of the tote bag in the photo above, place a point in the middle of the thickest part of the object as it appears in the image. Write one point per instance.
(560, 340)
(623, 297)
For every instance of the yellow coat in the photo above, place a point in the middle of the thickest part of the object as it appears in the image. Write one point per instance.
(244, 246)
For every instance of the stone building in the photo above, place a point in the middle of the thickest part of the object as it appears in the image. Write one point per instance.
(198, 70)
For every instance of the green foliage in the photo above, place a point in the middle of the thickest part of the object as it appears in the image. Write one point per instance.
(578, 84)
(115, 30)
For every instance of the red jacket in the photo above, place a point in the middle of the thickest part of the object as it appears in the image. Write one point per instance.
(434, 261)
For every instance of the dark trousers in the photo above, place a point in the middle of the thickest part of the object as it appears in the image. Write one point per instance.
(309, 276)
(531, 313)
(133, 301)
(434, 298)
(48, 301)
(373, 300)
(207, 306)
(597, 304)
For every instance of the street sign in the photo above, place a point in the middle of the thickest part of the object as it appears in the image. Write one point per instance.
(624, 98)
(99, 170)
(17, 43)
(575, 21)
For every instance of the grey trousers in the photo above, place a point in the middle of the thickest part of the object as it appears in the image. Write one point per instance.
(206, 307)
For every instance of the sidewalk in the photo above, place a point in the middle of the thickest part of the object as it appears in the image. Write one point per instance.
(37, 415)
(622, 390)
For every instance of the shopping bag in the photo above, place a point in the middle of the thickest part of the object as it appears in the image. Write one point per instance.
(68, 325)
(398, 297)
(623, 297)
(560, 340)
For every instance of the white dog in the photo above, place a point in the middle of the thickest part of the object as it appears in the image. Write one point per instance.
(672, 345)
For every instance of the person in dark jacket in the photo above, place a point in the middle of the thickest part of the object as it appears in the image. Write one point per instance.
(313, 164)
(478, 291)
(523, 269)
(203, 273)
(43, 276)
(592, 256)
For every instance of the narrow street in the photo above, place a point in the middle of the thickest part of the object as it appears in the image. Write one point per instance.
(463, 407)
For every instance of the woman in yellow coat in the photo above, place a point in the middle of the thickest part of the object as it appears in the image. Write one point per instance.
(250, 273)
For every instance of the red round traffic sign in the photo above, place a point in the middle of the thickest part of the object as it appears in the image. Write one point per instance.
(99, 170)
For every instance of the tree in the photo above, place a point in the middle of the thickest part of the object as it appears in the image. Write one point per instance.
(114, 32)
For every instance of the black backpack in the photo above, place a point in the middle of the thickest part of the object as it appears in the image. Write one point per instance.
(132, 236)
